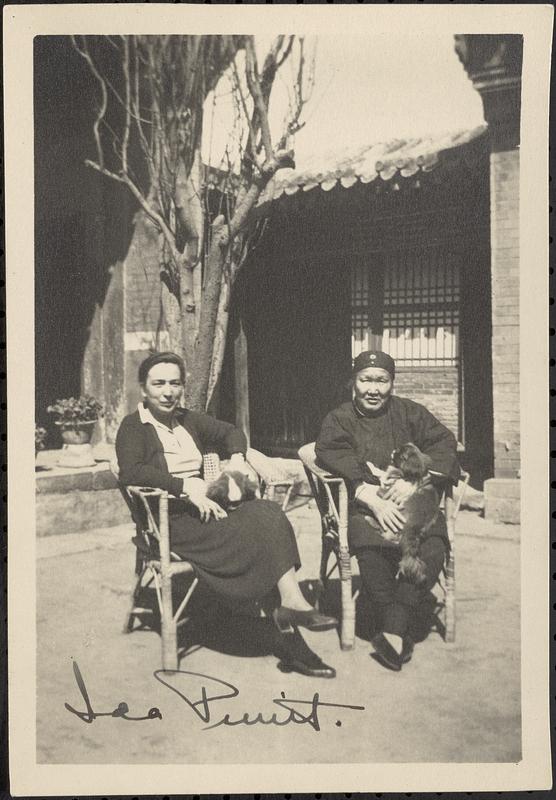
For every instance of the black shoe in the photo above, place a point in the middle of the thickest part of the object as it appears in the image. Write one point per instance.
(386, 654)
(296, 656)
(321, 670)
(407, 649)
(286, 618)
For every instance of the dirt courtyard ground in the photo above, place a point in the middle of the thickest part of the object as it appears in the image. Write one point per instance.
(451, 703)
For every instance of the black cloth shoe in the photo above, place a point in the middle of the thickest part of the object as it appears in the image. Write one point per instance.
(321, 670)
(286, 618)
(296, 656)
(407, 649)
(385, 653)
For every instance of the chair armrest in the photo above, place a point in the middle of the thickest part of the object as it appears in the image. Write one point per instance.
(159, 528)
(324, 476)
(308, 459)
(266, 468)
(145, 491)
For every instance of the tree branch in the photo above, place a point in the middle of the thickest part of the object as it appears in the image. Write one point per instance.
(104, 171)
(127, 125)
(136, 105)
(254, 84)
(252, 136)
(104, 96)
(153, 215)
(285, 53)
(294, 125)
(280, 160)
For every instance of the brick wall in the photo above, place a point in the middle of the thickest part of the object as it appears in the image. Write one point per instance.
(504, 194)
(141, 306)
(142, 281)
(437, 388)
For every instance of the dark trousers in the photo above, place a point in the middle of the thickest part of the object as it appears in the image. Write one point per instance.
(396, 598)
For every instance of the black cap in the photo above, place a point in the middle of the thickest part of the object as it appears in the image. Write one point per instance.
(374, 358)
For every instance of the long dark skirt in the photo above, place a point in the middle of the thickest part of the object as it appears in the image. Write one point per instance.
(241, 556)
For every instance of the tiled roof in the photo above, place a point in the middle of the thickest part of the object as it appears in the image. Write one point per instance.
(384, 160)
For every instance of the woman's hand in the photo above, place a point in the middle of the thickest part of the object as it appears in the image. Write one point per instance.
(206, 507)
(388, 515)
(399, 491)
(195, 492)
(386, 512)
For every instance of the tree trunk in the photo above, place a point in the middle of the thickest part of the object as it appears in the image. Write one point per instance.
(171, 319)
(219, 346)
(214, 266)
(190, 217)
(186, 310)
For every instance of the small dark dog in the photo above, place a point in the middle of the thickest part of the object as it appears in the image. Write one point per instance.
(231, 489)
(420, 508)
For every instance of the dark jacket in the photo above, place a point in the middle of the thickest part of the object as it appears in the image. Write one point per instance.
(348, 440)
(141, 456)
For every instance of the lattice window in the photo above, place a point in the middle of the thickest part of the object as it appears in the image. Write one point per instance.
(366, 306)
(407, 303)
(421, 308)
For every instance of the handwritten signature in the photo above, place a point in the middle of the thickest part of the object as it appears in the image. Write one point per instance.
(202, 706)
(89, 715)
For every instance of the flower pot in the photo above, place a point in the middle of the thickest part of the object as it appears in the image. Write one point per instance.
(76, 451)
(76, 432)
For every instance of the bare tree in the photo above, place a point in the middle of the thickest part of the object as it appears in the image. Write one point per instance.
(148, 132)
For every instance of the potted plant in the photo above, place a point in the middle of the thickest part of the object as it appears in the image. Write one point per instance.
(76, 418)
(40, 438)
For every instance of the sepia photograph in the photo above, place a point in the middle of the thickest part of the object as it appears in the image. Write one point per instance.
(276, 342)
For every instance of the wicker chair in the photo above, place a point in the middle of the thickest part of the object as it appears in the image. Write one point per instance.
(271, 476)
(155, 562)
(331, 497)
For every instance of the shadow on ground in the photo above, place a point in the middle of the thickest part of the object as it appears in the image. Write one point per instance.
(242, 630)
(452, 703)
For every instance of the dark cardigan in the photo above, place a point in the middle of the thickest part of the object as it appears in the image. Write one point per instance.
(141, 456)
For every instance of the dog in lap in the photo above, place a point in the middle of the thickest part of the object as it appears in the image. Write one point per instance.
(231, 489)
(420, 508)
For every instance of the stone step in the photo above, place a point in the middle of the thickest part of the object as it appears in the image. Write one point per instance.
(503, 500)
(76, 499)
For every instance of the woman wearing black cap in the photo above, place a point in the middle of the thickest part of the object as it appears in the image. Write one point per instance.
(243, 555)
(364, 432)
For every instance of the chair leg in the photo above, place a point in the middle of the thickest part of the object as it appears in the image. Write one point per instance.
(286, 499)
(347, 629)
(130, 616)
(324, 559)
(450, 600)
(169, 643)
(323, 578)
(168, 627)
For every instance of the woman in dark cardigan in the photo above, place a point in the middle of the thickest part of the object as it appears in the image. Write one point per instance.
(242, 555)
(358, 436)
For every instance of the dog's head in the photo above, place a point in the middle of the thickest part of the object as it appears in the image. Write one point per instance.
(232, 488)
(411, 462)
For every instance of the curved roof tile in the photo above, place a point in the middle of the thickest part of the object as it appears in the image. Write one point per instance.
(365, 164)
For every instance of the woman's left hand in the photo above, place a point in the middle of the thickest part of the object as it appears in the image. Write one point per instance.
(399, 491)
(207, 508)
